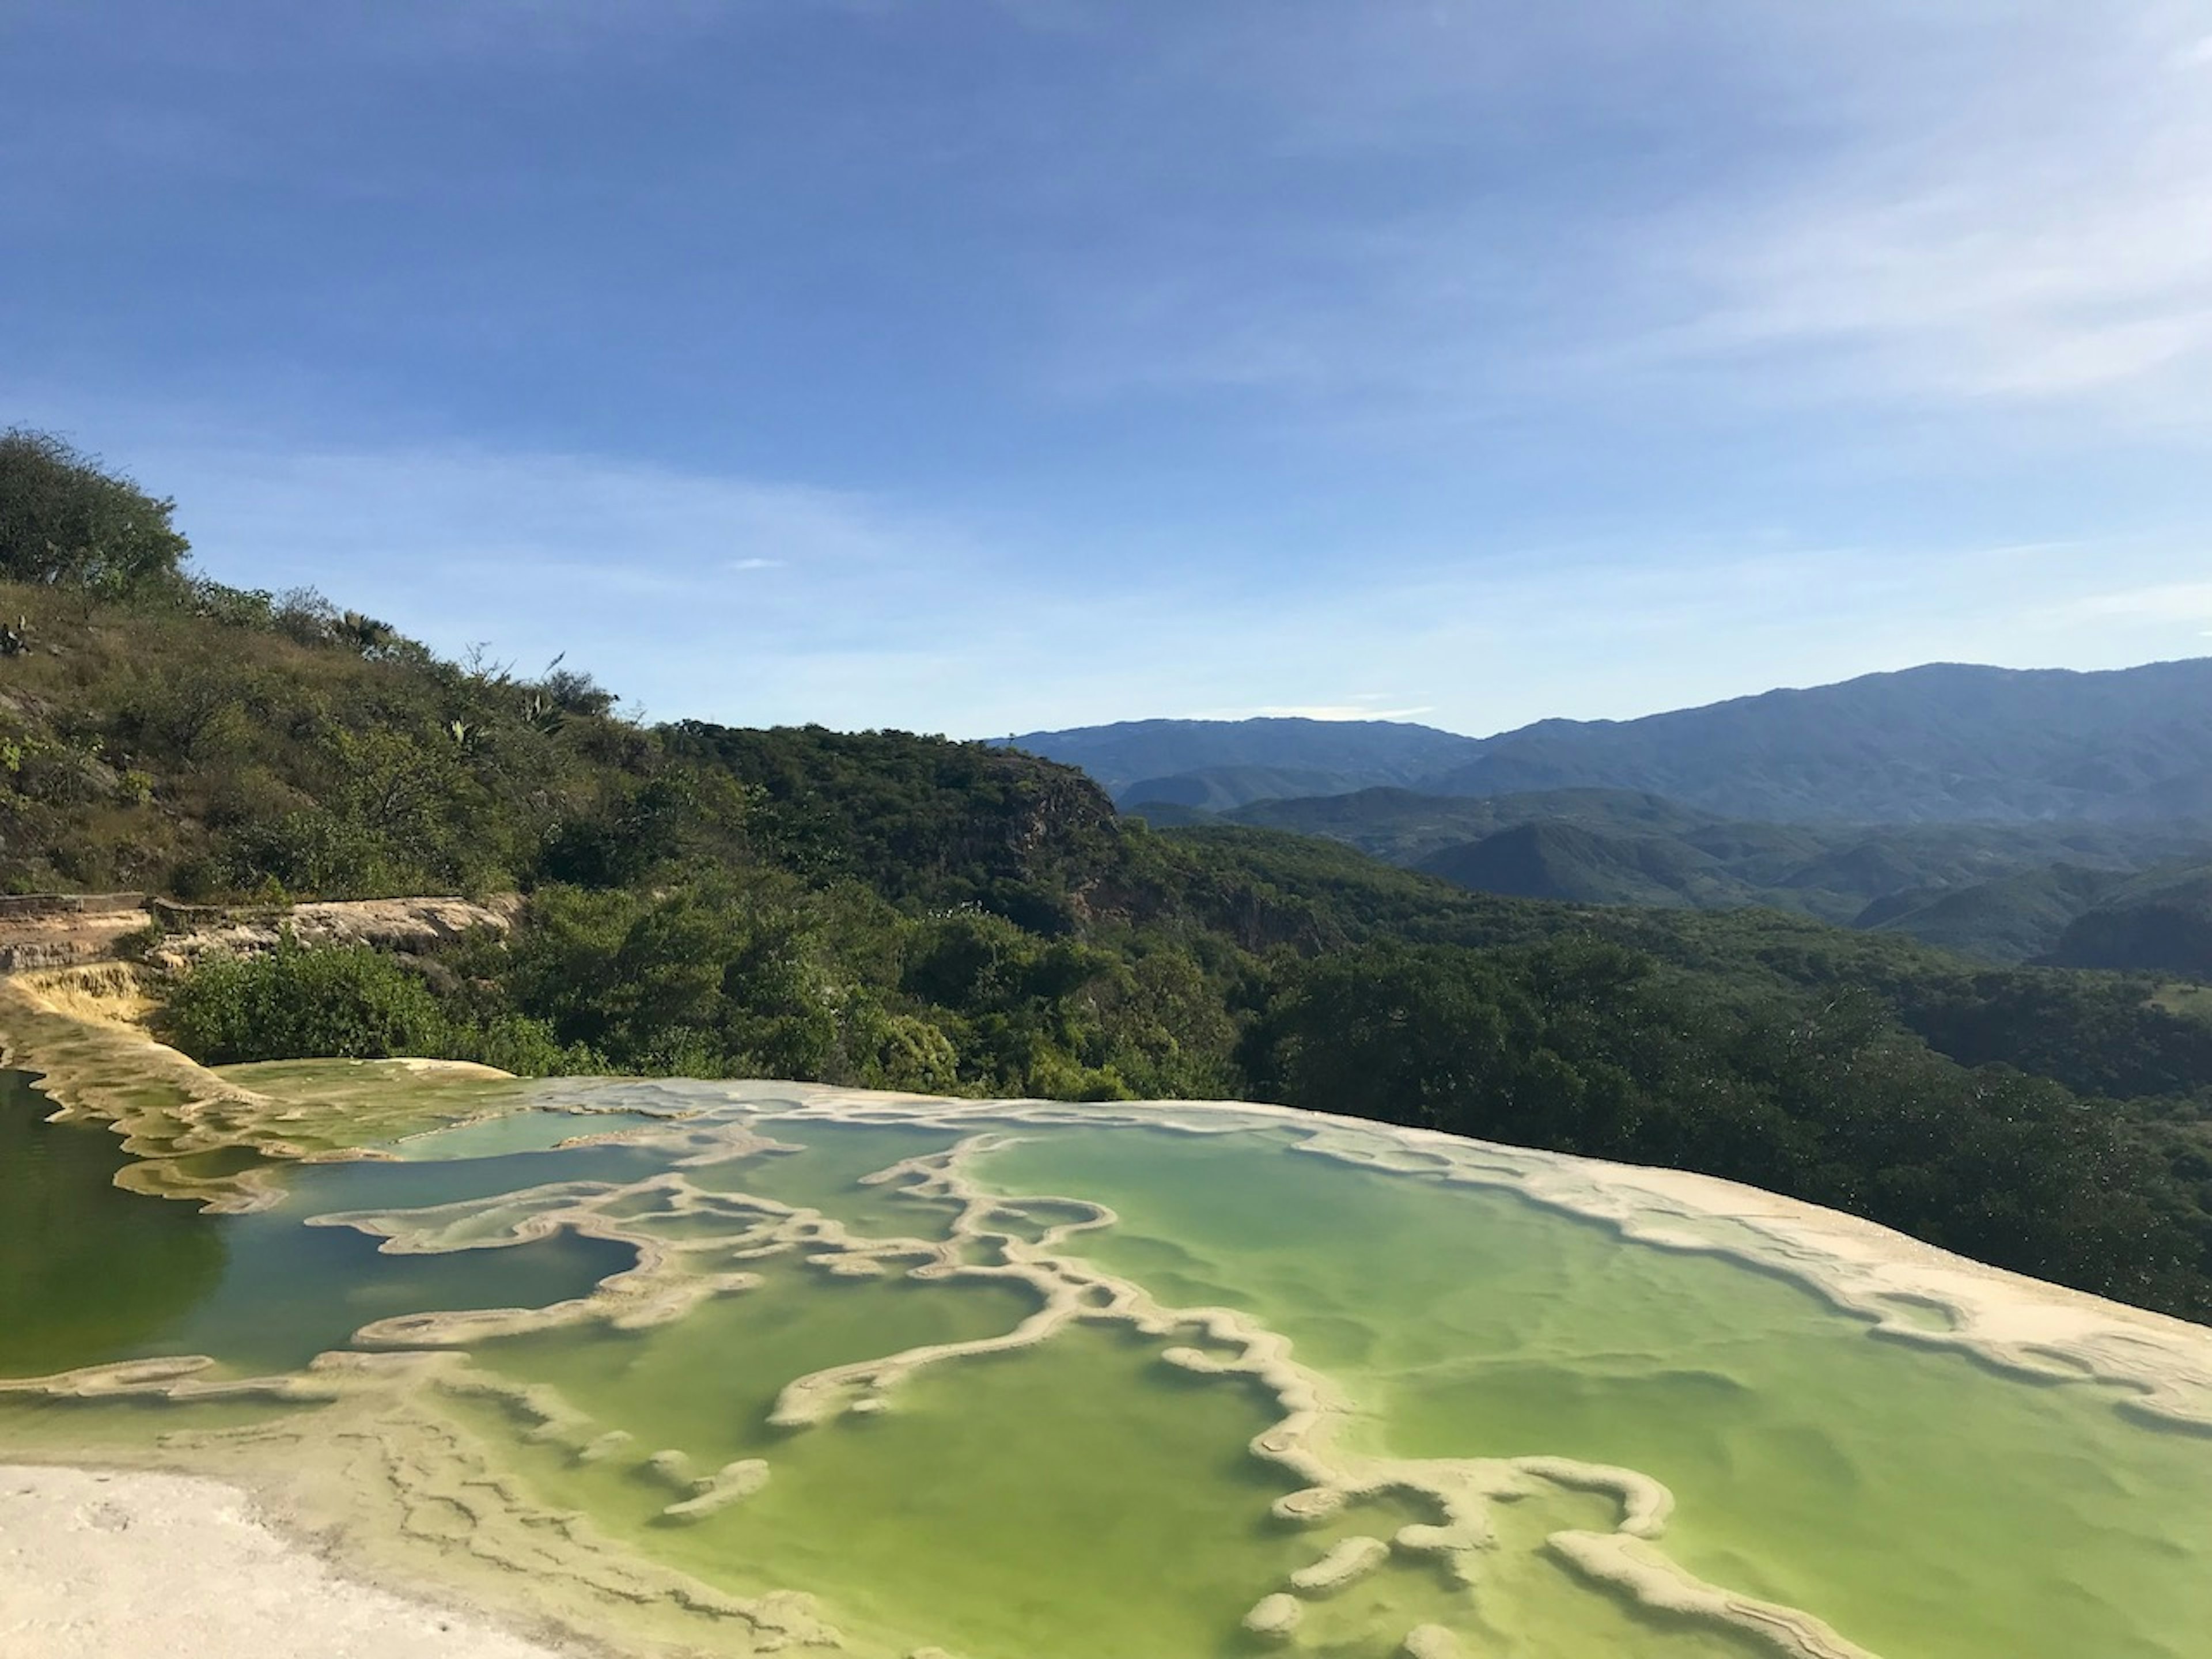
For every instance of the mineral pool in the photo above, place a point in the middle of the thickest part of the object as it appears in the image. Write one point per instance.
(737, 1367)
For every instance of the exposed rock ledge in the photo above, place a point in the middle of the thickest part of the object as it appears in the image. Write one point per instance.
(63, 930)
(400, 924)
(96, 1565)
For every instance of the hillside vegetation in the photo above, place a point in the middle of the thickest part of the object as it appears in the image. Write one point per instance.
(906, 911)
(2008, 893)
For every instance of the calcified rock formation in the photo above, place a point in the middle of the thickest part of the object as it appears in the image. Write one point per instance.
(381, 1457)
(404, 924)
(55, 930)
(1430, 1642)
(1351, 1558)
(49, 931)
(1275, 1617)
(78, 1028)
(89, 1555)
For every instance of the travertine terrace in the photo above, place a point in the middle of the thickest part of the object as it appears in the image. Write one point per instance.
(588, 1465)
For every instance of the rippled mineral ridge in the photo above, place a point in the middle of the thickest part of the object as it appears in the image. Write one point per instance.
(735, 1367)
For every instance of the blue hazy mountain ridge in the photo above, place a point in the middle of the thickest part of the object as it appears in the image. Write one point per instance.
(1944, 743)
(1564, 860)
(1938, 744)
(1143, 760)
(1405, 827)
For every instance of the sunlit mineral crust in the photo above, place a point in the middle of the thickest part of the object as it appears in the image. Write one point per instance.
(794, 1367)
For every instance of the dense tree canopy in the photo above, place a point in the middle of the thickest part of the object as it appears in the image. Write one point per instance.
(63, 520)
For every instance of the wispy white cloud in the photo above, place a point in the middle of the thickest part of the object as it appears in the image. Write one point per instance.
(2163, 602)
(1557, 251)
(2046, 235)
(532, 515)
(1967, 207)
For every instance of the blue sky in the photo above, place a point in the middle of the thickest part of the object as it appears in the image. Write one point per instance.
(976, 366)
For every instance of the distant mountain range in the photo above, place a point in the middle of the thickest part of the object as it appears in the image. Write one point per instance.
(1217, 765)
(2018, 815)
(1940, 743)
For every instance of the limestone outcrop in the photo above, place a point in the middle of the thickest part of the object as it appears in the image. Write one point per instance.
(61, 930)
(400, 924)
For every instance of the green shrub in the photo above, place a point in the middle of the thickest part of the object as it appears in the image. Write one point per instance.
(351, 1002)
(297, 1003)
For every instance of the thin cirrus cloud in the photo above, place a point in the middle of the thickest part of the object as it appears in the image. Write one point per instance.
(2055, 242)
(522, 509)
(1951, 212)
(2189, 602)
(547, 553)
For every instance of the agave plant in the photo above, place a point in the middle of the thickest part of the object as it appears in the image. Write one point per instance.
(542, 715)
(364, 635)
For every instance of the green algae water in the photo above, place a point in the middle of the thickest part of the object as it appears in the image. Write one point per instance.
(93, 1273)
(1078, 1490)
(1923, 1502)
(706, 1386)
(753, 1365)
(87, 1273)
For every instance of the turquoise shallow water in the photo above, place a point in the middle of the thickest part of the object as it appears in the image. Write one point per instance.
(826, 1172)
(90, 1274)
(332, 1189)
(1926, 1506)
(1085, 1498)
(515, 1132)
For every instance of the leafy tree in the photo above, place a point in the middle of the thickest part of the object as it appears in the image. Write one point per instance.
(1441, 1037)
(724, 977)
(66, 522)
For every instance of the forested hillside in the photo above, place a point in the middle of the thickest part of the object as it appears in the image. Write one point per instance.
(909, 912)
(2161, 921)
(2007, 892)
